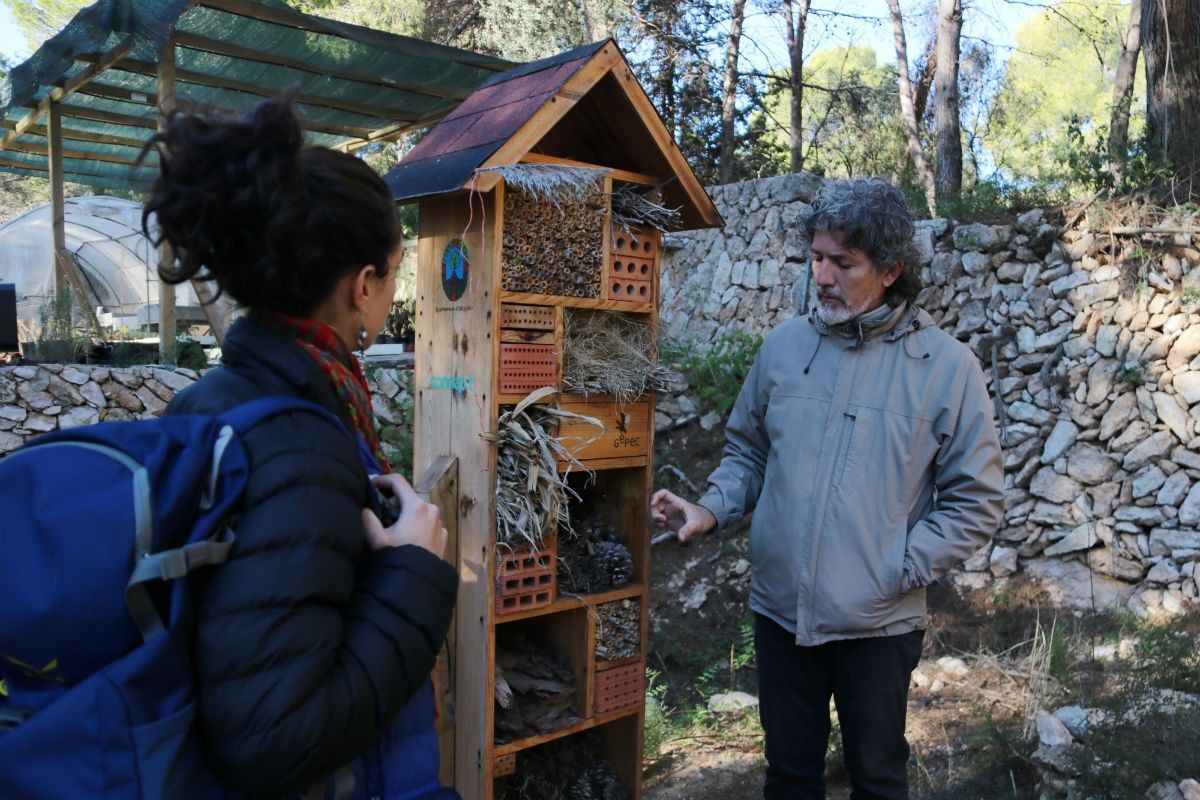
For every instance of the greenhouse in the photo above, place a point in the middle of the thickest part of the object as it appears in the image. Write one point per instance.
(118, 264)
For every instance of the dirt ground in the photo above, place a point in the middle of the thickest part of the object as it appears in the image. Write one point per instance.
(966, 719)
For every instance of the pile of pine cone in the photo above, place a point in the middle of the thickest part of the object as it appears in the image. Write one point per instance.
(568, 769)
(594, 560)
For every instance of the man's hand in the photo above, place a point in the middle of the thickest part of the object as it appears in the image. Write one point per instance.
(668, 510)
(419, 523)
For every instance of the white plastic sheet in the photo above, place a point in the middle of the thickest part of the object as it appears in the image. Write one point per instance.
(103, 235)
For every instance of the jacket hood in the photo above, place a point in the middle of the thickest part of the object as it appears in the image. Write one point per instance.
(885, 323)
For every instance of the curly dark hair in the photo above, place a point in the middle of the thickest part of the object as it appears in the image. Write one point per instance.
(870, 215)
(243, 201)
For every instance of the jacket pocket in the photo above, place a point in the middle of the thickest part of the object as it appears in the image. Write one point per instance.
(845, 437)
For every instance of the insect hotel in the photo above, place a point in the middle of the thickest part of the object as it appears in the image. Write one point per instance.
(543, 198)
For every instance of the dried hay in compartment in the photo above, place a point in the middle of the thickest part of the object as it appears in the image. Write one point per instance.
(531, 495)
(551, 183)
(606, 352)
(553, 247)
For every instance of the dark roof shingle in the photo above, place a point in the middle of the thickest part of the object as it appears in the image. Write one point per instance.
(444, 160)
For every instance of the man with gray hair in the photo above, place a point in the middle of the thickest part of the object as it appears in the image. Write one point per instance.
(863, 440)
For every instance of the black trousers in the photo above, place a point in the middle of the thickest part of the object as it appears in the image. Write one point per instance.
(868, 680)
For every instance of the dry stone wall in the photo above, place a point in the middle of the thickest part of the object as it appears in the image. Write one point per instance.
(1091, 345)
(49, 397)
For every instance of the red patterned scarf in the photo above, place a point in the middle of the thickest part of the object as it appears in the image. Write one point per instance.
(338, 365)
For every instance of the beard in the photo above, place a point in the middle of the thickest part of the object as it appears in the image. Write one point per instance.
(838, 313)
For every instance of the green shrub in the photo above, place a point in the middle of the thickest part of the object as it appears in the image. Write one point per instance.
(716, 374)
(1131, 376)
(658, 722)
(1167, 657)
(397, 437)
(1145, 737)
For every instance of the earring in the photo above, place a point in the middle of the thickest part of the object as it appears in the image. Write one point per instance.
(362, 338)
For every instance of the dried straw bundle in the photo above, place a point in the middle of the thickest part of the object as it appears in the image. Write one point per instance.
(554, 183)
(605, 352)
(531, 495)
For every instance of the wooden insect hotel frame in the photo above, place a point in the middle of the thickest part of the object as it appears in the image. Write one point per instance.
(500, 266)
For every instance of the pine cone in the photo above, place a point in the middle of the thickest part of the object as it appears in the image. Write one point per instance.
(612, 565)
(580, 789)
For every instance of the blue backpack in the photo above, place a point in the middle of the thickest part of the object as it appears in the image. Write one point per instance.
(99, 524)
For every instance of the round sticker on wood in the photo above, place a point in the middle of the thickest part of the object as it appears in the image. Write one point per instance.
(456, 269)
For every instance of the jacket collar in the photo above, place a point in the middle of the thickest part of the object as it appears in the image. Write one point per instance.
(885, 323)
(276, 361)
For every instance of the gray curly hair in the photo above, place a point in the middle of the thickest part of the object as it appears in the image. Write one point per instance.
(871, 215)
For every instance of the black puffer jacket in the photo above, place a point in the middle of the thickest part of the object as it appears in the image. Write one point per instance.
(308, 643)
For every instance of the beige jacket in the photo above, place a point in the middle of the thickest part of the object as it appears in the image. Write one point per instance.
(870, 459)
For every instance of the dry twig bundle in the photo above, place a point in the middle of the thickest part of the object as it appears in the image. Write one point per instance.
(631, 206)
(531, 495)
(618, 629)
(605, 352)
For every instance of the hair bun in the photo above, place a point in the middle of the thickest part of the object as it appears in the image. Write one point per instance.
(242, 201)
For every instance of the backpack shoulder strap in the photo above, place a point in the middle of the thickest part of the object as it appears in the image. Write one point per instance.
(247, 415)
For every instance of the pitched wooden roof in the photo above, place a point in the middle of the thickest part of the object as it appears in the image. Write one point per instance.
(583, 105)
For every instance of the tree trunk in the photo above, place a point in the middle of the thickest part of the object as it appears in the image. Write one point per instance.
(666, 83)
(946, 104)
(729, 88)
(925, 83)
(1118, 129)
(796, 25)
(1171, 47)
(912, 134)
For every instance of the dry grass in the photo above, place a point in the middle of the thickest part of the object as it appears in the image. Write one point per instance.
(556, 184)
(611, 353)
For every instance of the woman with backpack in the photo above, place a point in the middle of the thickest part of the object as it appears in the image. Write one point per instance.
(315, 640)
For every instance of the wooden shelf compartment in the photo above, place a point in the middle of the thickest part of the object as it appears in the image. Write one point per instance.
(613, 734)
(567, 632)
(577, 302)
(584, 725)
(573, 602)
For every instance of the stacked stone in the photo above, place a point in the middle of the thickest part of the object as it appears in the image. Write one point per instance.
(1099, 376)
(39, 399)
(739, 277)
(1097, 372)
(48, 397)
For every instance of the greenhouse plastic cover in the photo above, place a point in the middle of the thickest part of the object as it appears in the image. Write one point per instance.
(104, 236)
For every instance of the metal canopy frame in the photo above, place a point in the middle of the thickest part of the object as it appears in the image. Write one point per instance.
(104, 84)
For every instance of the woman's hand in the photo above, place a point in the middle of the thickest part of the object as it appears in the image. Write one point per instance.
(419, 523)
(671, 511)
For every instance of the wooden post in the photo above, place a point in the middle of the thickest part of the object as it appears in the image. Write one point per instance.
(166, 258)
(66, 273)
(57, 209)
(439, 485)
(452, 406)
